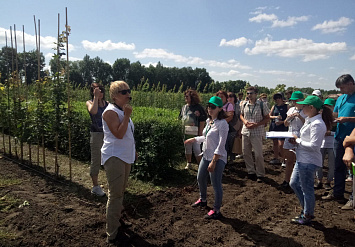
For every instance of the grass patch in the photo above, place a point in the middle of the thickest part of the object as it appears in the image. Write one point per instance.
(5, 235)
(5, 181)
(7, 203)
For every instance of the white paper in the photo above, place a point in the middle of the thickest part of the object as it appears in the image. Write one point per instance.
(279, 134)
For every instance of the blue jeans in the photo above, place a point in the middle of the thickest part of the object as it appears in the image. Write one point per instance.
(302, 183)
(216, 180)
(340, 169)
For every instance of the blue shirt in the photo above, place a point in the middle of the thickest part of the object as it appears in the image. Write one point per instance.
(345, 107)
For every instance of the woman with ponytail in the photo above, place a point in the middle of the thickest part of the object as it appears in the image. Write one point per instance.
(308, 156)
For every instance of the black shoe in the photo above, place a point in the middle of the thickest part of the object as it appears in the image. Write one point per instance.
(213, 215)
(199, 203)
(252, 177)
(285, 184)
(260, 179)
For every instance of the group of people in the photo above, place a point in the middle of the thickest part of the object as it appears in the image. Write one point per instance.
(232, 126)
(317, 128)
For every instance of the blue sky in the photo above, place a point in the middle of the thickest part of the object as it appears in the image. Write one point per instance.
(297, 43)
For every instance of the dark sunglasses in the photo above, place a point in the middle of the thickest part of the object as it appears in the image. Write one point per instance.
(250, 93)
(212, 106)
(124, 92)
(230, 96)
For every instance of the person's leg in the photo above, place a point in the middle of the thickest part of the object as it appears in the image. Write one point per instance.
(319, 170)
(295, 184)
(306, 172)
(188, 152)
(275, 148)
(116, 175)
(216, 180)
(331, 163)
(339, 170)
(247, 154)
(281, 148)
(202, 176)
(96, 142)
(257, 143)
(290, 162)
(197, 151)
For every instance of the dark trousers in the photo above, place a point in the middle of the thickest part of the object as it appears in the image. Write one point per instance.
(340, 169)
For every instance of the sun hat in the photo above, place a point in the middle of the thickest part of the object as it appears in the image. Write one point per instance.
(317, 93)
(330, 102)
(217, 101)
(312, 100)
(297, 95)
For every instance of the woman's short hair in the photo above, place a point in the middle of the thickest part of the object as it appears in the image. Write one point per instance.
(117, 86)
(222, 92)
(195, 98)
(95, 85)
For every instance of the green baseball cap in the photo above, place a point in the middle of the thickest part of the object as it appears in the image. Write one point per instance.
(312, 100)
(330, 102)
(296, 95)
(217, 101)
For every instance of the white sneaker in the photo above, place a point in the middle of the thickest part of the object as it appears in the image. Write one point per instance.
(283, 164)
(239, 156)
(96, 190)
(188, 166)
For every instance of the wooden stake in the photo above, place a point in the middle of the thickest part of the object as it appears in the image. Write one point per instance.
(69, 129)
(34, 19)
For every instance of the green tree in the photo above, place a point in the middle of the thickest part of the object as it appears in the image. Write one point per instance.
(120, 69)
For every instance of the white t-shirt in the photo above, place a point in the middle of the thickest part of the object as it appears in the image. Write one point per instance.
(296, 123)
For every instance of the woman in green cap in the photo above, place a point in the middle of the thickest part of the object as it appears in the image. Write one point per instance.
(294, 121)
(308, 155)
(214, 157)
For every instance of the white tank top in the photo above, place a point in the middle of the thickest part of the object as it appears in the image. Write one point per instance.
(125, 148)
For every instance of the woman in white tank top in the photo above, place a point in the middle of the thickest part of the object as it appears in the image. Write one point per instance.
(118, 154)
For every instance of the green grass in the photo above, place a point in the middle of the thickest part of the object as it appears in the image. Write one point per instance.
(5, 182)
(5, 235)
(7, 203)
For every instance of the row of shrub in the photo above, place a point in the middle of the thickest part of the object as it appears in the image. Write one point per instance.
(158, 132)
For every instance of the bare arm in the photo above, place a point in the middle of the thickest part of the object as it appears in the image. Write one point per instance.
(117, 128)
(94, 104)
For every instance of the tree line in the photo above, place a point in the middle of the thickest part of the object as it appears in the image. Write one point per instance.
(143, 78)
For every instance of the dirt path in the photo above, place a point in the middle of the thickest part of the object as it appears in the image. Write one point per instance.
(65, 214)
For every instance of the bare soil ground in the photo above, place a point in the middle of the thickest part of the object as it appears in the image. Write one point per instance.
(255, 214)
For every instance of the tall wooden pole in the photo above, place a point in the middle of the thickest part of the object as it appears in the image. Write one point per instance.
(16, 93)
(38, 100)
(12, 77)
(69, 129)
(26, 93)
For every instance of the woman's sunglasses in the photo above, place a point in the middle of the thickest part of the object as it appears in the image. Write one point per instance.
(212, 106)
(125, 91)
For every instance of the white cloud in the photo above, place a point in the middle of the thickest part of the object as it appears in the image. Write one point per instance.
(276, 72)
(291, 20)
(334, 26)
(263, 17)
(107, 45)
(163, 54)
(352, 58)
(229, 73)
(235, 42)
(296, 48)
(47, 42)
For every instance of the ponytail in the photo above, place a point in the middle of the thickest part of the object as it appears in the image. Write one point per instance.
(327, 116)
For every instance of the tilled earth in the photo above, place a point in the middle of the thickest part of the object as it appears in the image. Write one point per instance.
(254, 214)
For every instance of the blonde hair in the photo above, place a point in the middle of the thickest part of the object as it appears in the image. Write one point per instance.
(117, 86)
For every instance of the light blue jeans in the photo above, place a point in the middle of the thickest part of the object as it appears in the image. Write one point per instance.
(216, 180)
(302, 183)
